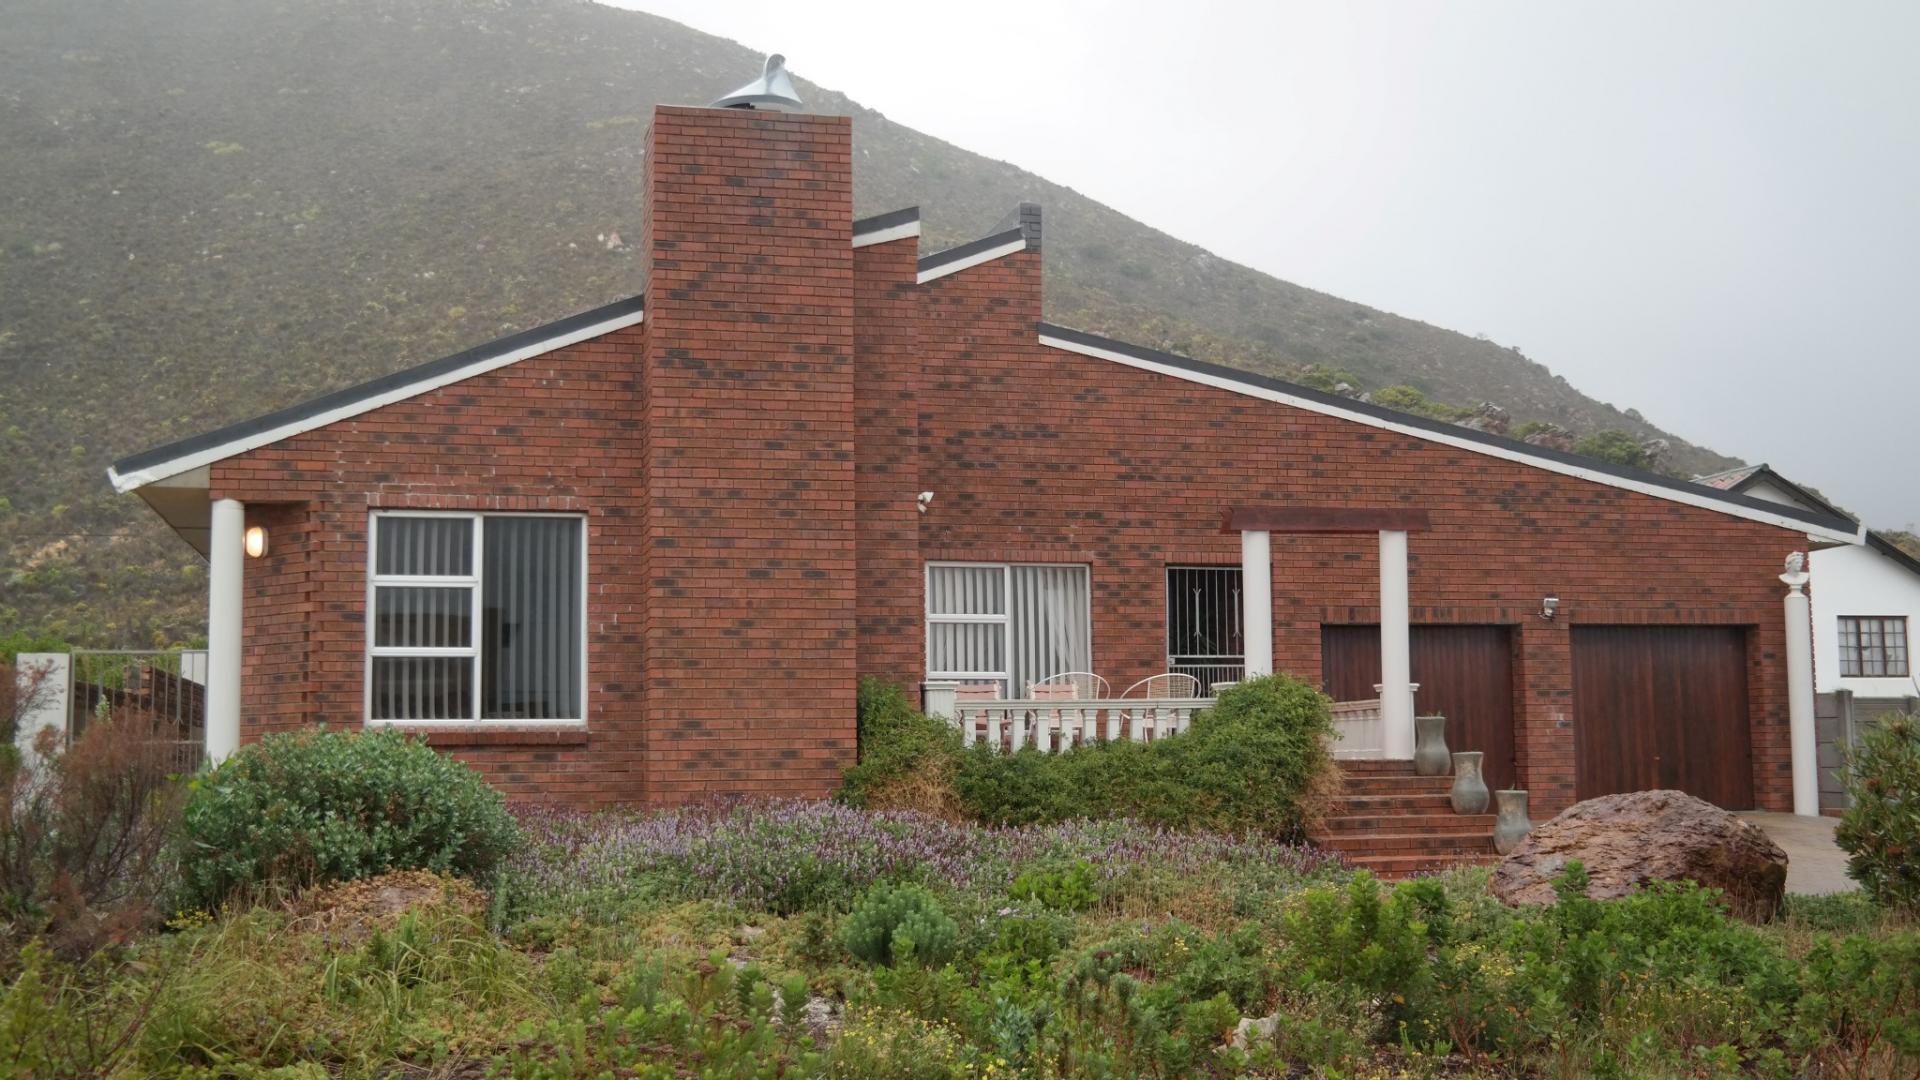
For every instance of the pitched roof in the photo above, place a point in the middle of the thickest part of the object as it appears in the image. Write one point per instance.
(1827, 524)
(1746, 477)
(1893, 551)
(143, 468)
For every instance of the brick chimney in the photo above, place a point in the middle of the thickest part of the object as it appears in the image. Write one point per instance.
(749, 655)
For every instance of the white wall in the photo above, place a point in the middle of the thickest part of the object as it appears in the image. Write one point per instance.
(1857, 580)
(50, 705)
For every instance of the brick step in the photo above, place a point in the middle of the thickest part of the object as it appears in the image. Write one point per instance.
(1402, 821)
(1398, 866)
(1467, 843)
(1374, 767)
(1396, 785)
(1380, 804)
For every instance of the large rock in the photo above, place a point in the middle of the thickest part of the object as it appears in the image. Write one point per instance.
(1626, 841)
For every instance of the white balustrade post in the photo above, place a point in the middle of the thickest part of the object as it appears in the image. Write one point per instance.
(939, 698)
(226, 556)
(1396, 647)
(1256, 601)
(1800, 722)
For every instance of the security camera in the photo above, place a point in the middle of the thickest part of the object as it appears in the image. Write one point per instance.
(925, 500)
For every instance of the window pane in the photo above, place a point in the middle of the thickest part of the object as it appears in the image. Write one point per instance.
(422, 688)
(1051, 623)
(530, 619)
(1896, 646)
(437, 546)
(411, 618)
(966, 590)
(966, 647)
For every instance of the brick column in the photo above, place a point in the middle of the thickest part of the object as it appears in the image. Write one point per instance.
(1543, 738)
(750, 554)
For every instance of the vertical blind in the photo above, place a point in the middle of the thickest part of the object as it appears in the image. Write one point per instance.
(521, 576)
(1008, 624)
(530, 612)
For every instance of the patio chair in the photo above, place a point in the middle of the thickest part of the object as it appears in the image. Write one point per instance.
(1085, 685)
(1172, 684)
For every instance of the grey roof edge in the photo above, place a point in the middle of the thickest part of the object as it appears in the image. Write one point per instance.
(1893, 551)
(891, 219)
(1764, 471)
(372, 388)
(1836, 522)
(969, 249)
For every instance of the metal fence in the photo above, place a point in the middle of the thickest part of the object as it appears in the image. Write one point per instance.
(1204, 624)
(164, 689)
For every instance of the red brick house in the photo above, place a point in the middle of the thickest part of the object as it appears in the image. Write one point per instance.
(645, 553)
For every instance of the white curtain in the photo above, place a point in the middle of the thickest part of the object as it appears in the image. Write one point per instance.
(530, 614)
(1051, 623)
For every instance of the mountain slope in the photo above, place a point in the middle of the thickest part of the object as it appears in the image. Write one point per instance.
(210, 208)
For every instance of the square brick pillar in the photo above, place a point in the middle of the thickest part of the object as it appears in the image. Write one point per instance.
(1544, 736)
(750, 664)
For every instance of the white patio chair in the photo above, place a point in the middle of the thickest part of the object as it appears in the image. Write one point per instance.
(1172, 684)
(1152, 720)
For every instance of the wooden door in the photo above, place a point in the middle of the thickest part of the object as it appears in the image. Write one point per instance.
(1465, 674)
(1662, 707)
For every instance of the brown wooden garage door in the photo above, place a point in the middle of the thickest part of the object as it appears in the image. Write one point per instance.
(1465, 674)
(1662, 707)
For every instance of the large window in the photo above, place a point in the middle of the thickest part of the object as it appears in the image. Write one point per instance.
(1008, 624)
(476, 617)
(1871, 646)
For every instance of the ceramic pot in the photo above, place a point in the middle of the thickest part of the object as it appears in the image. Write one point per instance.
(1513, 824)
(1469, 790)
(1430, 756)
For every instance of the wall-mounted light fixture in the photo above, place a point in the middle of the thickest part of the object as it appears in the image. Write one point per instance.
(925, 500)
(256, 541)
(1549, 607)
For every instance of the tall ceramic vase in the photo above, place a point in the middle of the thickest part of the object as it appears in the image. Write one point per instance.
(1430, 757)
(1469, 790)
(1513, 825)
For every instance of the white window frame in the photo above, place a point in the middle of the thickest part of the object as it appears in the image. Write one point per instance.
(472, 582)
(1004, 619)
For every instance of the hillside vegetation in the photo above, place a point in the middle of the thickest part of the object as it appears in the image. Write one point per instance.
(212, 208)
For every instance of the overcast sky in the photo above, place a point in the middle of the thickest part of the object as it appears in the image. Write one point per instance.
(1709, 212)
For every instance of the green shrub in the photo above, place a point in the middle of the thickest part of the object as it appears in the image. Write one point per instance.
(1071, 887)
(899, 925)
(906, 757)
(1881, 829)
(295, 809)
(1257, 760)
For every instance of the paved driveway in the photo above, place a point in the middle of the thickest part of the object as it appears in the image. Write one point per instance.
(1815, 863)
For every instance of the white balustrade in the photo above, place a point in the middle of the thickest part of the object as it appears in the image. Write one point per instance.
(1361, 729)
(1053, 725)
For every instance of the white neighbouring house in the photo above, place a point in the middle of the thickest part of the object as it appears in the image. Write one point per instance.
(1866, 600)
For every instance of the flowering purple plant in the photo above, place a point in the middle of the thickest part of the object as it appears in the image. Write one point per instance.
(787, 856)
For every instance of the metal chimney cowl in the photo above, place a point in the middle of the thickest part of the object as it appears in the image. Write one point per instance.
(772, 90)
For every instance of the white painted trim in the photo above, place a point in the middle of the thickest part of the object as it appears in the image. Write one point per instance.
(957, 265)
(1704, 502)
(154, 473)
(882, 236)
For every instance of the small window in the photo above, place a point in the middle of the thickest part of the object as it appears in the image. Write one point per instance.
(1204, 623)
(1873, 646)
(1007, 624)
(476, 617)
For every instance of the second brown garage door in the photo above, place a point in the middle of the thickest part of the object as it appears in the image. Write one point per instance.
(1662, 707)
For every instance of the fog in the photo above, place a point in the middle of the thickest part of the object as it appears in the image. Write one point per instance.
(1710, 213)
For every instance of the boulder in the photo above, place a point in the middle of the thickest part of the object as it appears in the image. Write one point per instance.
(1626, 841)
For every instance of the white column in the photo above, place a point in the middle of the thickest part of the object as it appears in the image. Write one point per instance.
(1256, 601)
(1396, 648)
(227, 553)
(1800, 724)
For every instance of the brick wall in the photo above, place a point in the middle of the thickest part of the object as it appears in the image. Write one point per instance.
(749, 364)
(1044, 455)
(747, 462)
